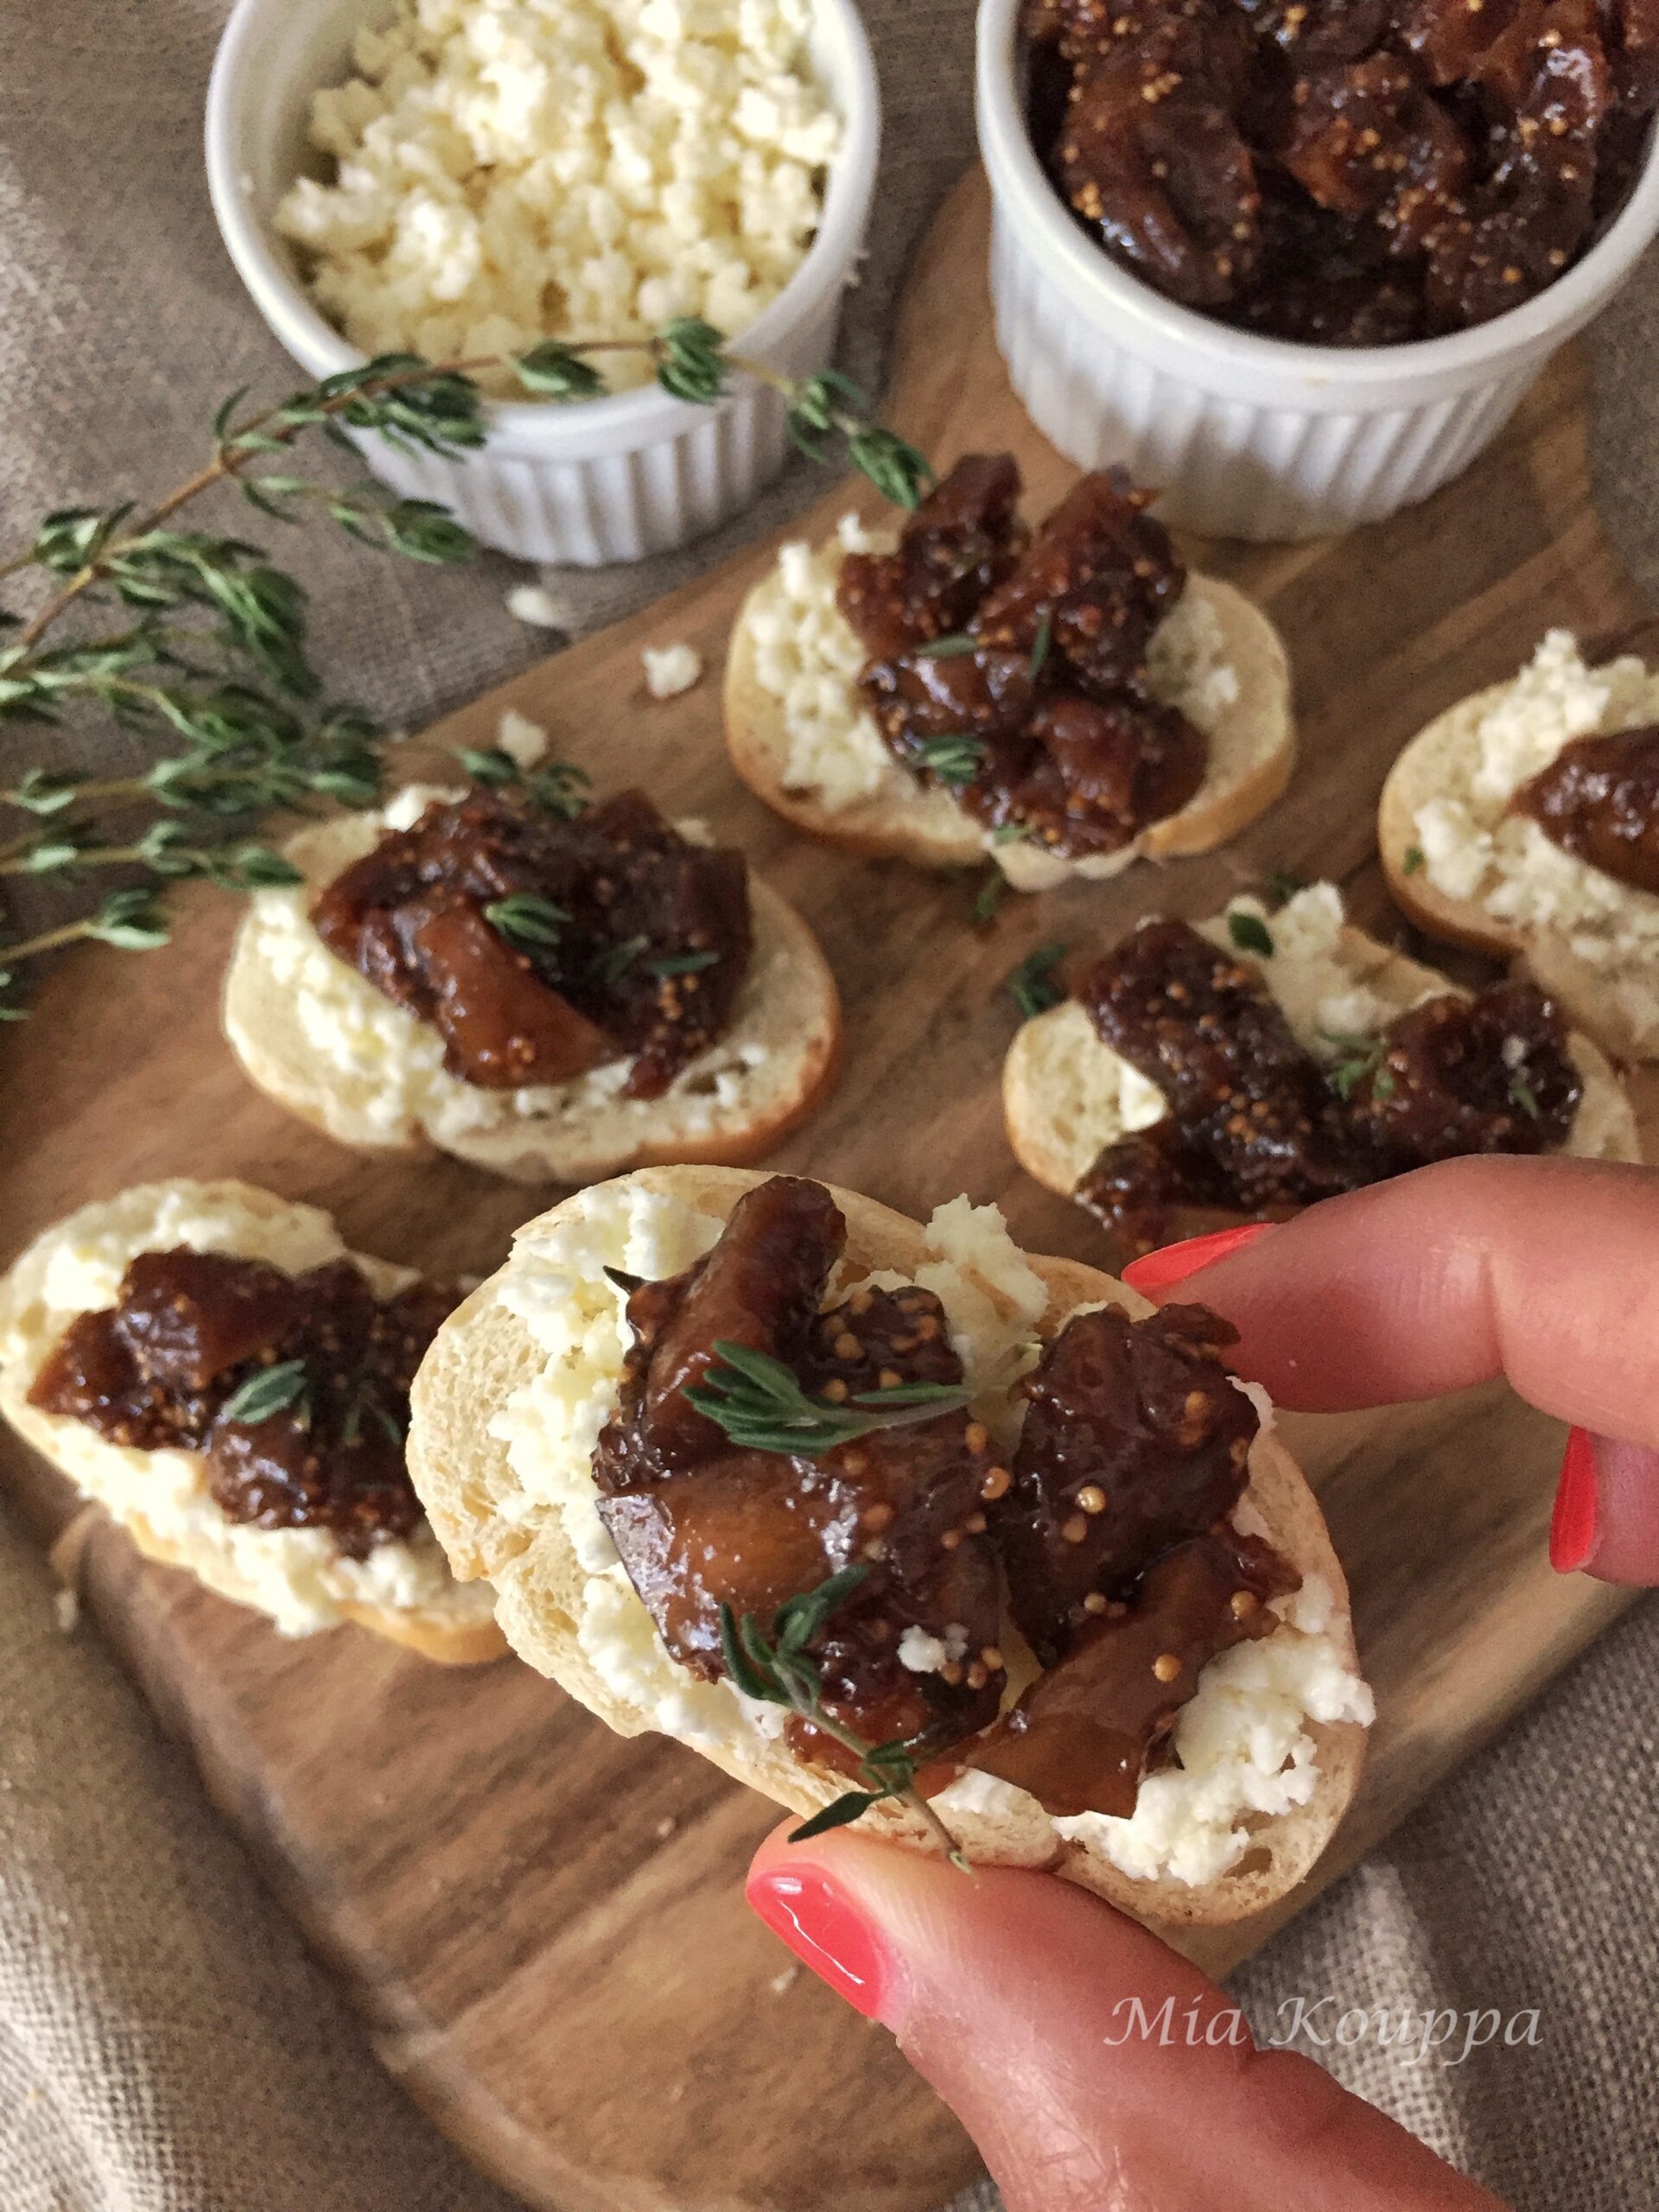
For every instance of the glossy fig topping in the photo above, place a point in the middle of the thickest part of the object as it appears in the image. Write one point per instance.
(1255, 1123)
(1013, 673)
(1134, 1447)
(296, 1387)
(540, 948)
(1600, 801)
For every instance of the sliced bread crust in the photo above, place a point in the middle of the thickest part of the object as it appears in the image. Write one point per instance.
(787, 1021)
(484, 1353)
(1252, 752)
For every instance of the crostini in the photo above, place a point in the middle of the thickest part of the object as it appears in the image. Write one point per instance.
(1525, 821)
(215, 1368)
(1255, 1062)
(894, 1523)
(1064, 701)
(551, 990)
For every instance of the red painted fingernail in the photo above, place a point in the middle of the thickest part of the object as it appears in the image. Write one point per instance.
(1573, 1524)
(819, 1924)
(1158, 1270)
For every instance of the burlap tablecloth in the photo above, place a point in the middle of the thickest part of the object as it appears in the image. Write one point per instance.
(165, 2044)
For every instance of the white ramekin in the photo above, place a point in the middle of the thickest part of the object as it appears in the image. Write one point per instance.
(1252, 437)
(587, 483)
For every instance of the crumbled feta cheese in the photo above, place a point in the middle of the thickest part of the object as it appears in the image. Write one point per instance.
(510, 170)
(670, 670)
(1476, 851)
(531, 603)
(525, 742)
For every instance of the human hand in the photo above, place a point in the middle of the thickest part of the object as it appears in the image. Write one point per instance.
(1008, 1993)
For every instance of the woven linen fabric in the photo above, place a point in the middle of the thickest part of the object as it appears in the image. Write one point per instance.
(166, 2044)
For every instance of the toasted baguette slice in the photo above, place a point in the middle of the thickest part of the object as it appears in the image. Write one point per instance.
(1066, 1096)
(1613, 996)
(491, 1398)
(293, 1575)
(315, 1036)
(1251, 740)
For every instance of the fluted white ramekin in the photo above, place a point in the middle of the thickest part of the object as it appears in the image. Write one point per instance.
(586, 483)
(1252, 437)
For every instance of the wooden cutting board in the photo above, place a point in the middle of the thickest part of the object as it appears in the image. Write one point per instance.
(541, 1924)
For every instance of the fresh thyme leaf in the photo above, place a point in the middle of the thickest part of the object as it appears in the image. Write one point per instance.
(761, 1405)
(956, 756)
(691, 360)
(840, 1813)
(1414, 859)
(489, 766)
(898, 471)
(612, 963)
(525, 919)
(949, 648)
(1524, 1094)
(1249, 933)
(684, 964)
(779, 1671)
(1031, 985)
(554, 371)
(987, 901)
(1382, 1085)
(270, 1390)
(133, 921)
(1357, 1057)
(1010, 833)
(1041, 643)
(1283, 885)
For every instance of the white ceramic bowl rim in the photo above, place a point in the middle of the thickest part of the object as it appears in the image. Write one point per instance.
(1560, 308)
(649, 411)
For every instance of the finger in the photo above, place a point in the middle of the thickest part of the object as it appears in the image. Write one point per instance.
(1013, 1994)
(1546, 1271)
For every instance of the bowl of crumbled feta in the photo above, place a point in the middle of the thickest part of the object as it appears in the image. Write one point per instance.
(466, 179)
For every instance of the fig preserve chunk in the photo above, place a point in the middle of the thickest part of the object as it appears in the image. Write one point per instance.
(1348, 172)
(1010, 669)
(1257, 1124)
(1105, 1527)
(541, 947)
(294, 1387)
(1598, 799)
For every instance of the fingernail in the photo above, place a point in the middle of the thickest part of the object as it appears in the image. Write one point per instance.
(822, 1928)
(1573, 1524)
(1158, 1270)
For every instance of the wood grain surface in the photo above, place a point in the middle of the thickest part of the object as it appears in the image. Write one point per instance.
(543, 1924)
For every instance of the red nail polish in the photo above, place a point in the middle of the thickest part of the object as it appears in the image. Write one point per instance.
(1573, 1524)
(819, 1924)
(1160, 1270)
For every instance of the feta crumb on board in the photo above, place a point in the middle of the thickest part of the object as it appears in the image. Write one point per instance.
(524, 170)
(525, 742)
(534, 604)
(670, 670)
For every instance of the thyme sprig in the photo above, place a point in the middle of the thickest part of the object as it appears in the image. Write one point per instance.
(777, 1667)
(956, 757)
(762, 1407)
(1359, 1058)
(198, 642)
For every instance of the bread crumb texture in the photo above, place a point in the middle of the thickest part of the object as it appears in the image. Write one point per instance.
(505, 171)
(1476, 852)
(297, 1576)
(1243, 1738)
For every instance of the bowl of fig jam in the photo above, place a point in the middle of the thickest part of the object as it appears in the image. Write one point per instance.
(1297, 261)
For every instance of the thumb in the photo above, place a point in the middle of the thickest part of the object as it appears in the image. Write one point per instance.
(1013, 1994)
